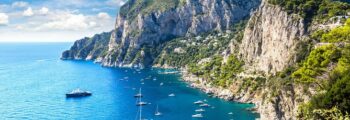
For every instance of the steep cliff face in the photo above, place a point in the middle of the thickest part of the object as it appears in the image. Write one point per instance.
(192, 17)
(268, 44)
(88, 48)
(270, 39)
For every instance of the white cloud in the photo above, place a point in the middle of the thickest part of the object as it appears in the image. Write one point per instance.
(20, 4)
(28, 12)
(115, 2)
(4, 19)
(103, 15)
(44, 11)
(67, 21)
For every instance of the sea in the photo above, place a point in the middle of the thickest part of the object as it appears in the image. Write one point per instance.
(34, 81)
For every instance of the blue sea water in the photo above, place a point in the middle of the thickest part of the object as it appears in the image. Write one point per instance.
(33, 83)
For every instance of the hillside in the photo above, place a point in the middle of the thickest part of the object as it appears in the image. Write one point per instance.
(290, 58)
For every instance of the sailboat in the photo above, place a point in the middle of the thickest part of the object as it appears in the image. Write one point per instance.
(157, 112)
(140, 102)
(140, 115)
(138, 95)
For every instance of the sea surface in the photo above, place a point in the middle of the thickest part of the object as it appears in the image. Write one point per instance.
(33, 83)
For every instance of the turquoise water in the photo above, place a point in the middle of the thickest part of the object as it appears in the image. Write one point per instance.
(33, 82)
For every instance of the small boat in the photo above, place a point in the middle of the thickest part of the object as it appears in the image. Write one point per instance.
(200, 110)
(154, 79)
(138, 95)
(142, 83)
(230, 113)
(161, 84)
(197, 115)
(78, 93)
(199, 102)
(141, 103)
(157, 112)
(171, 95)
(204, 105)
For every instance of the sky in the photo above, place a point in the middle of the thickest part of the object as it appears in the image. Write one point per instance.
(55, 20)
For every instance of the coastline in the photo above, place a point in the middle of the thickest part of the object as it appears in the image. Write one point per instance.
(228, 94)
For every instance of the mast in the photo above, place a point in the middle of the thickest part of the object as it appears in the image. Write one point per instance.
(140, 106)
(157, 109)
(140, 111)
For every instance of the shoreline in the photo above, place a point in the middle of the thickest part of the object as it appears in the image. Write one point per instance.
(218, 92)
(195, 82)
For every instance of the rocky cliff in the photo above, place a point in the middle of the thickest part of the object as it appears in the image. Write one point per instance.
(235, 49)
(270, 39)
(136, 32)
(88, 48)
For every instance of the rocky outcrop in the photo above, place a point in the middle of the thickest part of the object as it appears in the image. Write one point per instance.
(268, 46)
(270, 39)
(88, 48)
(131, 37)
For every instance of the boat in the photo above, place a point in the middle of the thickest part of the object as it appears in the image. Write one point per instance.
(140, 102)
(157, 112)
(138, 95)
(200, 110)
(171, 72)
(154, 79)
(204, 105)
(78, 93)
(199, 102)
(230, 113)
(161, 84)
(171, 95)
(197, 115)
(140, 115)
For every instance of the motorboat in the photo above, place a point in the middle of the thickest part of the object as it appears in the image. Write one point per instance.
(199, 102)
(78, 93)
(204, 105)
(197, 115)
(171, 95)
(200, 110)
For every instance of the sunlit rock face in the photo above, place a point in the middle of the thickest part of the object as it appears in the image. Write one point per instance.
(193, 17)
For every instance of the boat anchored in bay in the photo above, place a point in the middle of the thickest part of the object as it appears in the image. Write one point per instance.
(78, 93)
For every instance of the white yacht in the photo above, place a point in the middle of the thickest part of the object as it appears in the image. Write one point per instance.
(171, 95)
(200, 110)
(199, 102)
(204, 105)
(197, 115)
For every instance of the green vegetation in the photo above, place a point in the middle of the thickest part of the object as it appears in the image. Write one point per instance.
(202, 54)
(134, 7)
(333, 61)
(340, 34)
(200, 47)
(316, 63)
(219, 73)
(321, 10)
(337, 92)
